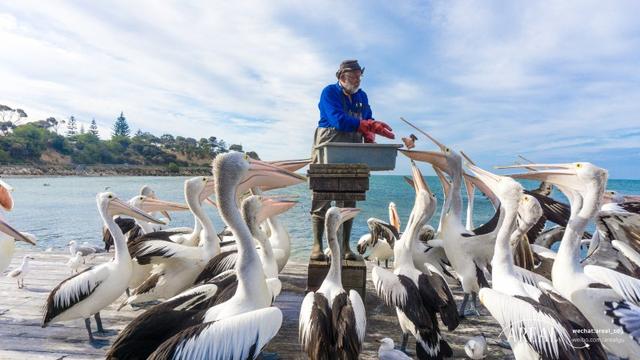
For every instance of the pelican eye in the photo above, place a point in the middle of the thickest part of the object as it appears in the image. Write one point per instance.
(204, 179)
(246, 157)
(110, 196)
(578, 165)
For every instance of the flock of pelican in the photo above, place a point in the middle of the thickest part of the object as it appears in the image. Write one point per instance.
(209, 294)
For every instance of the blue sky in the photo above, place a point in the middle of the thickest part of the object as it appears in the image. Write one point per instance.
(555, 81)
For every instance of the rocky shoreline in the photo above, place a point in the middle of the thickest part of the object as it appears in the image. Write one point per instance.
(101, 170)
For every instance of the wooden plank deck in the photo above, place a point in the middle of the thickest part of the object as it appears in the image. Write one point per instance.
(21, 336)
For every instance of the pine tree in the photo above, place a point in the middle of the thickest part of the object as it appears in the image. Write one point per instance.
(121, 128)
(93, 128)
(71, 126)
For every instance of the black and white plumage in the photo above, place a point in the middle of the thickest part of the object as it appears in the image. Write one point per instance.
(88, 292)
(240, 327)
(150, 329)
(333, 322)
(584, 185)
(532, 329)
(242, 336)
(416, 296)
(21, 271)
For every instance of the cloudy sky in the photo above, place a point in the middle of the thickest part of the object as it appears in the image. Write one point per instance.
(555, 81)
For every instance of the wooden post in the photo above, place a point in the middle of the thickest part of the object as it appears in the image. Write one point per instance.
(339, 182)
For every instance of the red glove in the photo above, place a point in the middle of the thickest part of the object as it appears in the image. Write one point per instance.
(369, 129)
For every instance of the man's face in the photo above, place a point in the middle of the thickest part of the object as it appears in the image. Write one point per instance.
(350, 81)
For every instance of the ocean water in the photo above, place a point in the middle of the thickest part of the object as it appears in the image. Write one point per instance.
(60, 209)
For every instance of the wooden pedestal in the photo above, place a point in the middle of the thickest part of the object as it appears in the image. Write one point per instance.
(354, 275)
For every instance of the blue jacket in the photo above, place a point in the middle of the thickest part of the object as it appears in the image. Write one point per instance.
(339, 112)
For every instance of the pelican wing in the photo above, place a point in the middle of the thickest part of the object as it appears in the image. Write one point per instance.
(217, 265)
(627, 316)
(523, 320)
(389, 287)
(553, 210)
(529, 277)
(315, 330)
(626, 286)
(238, 337)
(359, 313)
(346, 327)
(620, 224)
(159, 247)
(627, 251)
(151, 328)
(434, 290)
(72, 291)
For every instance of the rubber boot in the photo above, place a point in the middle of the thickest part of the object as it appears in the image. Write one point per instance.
(346, 236)
(317, 229)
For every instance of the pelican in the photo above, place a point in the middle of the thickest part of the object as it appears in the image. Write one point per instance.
(21, 271)
(532, 329)
(469, 252)
(333, 323)
(85, 294)
(632, 256)
(177, 265)
(386, 351)
(381, 237)
(240, 327)
(584, 184)
(10, 236)
(417, 296)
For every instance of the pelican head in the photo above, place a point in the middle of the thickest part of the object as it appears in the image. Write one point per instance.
(336, 216)
(198, 189)
(425, 203)
(150, 204)
(17, 235)
(239, 168)
(6, 201)
(446, 160)
(394, 218)
(147, 191)
(505, 188)
(109, 206)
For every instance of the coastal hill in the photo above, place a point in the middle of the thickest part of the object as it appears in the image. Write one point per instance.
(61, 147)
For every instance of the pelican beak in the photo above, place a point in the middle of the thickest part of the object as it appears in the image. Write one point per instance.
(211, 202)
(630, 198)
(418, 180)
(17, 235)
(489, 179)
(6, 201)
(562, 175)
(481, 185)
(271, 207)
(348, 214)
(209, 189)
(434, 158)
(394, 218)
(119, 207)
(446, 185)
(267, 177)
(151, 205)
(291, 165)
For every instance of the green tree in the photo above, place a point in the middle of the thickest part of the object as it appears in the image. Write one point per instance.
(93, 128)
(72, 126)
(121, 128)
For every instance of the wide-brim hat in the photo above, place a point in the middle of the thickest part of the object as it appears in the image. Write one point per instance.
(348, 65)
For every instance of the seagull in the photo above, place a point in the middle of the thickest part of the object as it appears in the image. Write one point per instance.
(476, 347)
(386, 351)
(21, 271)
(74, 262)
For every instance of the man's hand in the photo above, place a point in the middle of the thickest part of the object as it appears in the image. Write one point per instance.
(369, 128)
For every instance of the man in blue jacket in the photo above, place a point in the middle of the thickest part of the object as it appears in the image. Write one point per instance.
(345, 116)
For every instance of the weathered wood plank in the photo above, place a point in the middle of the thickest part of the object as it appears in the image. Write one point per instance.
(22, 337)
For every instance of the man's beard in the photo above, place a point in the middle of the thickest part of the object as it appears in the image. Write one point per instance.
(350, 88)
